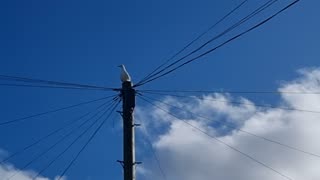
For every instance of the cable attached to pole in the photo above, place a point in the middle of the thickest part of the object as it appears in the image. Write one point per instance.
(240, 130)
(220, 141)
(193, 41)
(219, 46)
(87, 142)
(53, 111)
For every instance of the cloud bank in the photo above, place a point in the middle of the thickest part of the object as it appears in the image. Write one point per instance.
(8, 171)
(185, 153)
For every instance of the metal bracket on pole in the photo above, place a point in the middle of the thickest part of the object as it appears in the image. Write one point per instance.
(136, 125)
(120, 112)
(121, 163)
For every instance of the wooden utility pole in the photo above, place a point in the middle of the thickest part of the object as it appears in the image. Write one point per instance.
(129, 163)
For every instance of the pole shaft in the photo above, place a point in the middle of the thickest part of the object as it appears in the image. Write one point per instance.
(128, 95)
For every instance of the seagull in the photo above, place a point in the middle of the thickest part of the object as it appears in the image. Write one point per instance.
(124, 76)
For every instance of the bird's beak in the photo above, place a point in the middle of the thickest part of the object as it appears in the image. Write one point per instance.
(119, 66)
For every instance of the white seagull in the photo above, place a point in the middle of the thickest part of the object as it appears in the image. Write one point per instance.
(124, 76)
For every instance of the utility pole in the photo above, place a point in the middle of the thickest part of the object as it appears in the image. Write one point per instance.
(128, 98)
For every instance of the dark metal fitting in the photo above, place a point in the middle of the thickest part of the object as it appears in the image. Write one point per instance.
(120, 112)
(136, 125)
(121, 163)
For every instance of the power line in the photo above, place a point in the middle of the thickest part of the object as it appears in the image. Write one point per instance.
(54, 87)
(230, 92)
(243, 20)
(240, 103)
(194, 40)
(53, 111)
(220, 141)
(154, 154)
(47, 82)
(50, 134)
(62, 139)
(220, 45)
(73, 142)
(241, 130)
(87, 143)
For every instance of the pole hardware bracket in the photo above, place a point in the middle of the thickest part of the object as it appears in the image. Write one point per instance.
(137, 163)
(121, 163)
(136, 125)
(120, 112)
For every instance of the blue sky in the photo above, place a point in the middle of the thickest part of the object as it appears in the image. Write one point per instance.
(84, 41)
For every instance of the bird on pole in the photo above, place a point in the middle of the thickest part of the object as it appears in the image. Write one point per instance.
(124, 76)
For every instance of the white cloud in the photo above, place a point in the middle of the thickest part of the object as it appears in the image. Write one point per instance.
(9, 171)
(188, 154)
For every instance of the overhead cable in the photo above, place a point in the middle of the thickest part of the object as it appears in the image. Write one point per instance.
(54, 110)
(240, 22)
(164, 176)
(64, 138)
(51, 83)
(50, 134)
(220, 141)
(194, 40)
(241, 103)
(229, 92)
(220, 45)
(240, 130)
(87, 142)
